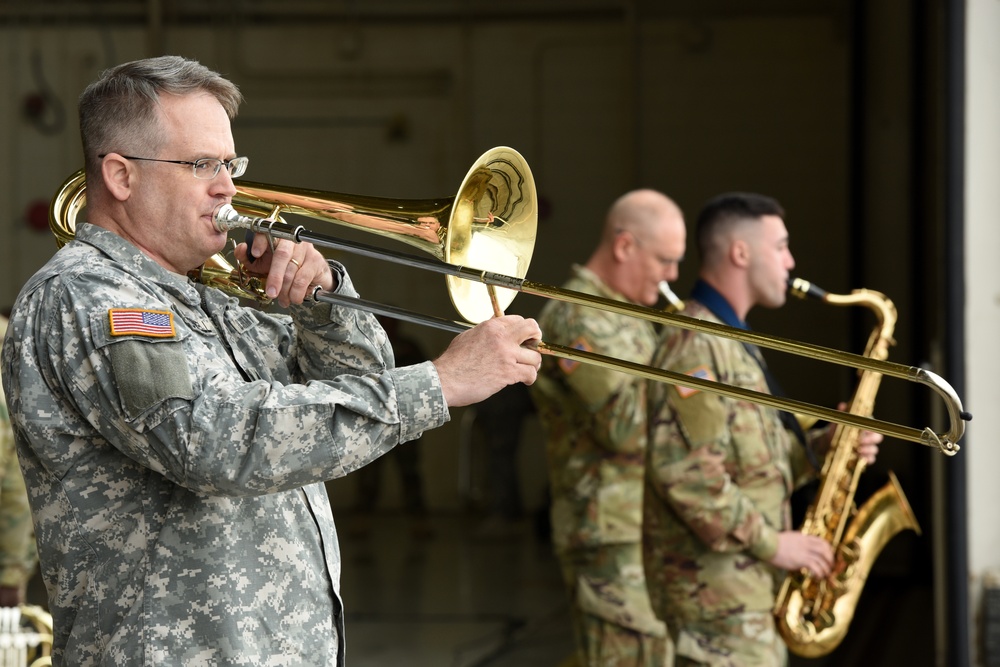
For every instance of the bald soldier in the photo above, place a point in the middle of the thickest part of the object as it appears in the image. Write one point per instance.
(596, 431)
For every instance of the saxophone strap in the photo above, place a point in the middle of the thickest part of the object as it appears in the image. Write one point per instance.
(788, 419)
(709, 297)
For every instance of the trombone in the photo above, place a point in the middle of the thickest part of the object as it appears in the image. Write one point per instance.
(491, 222)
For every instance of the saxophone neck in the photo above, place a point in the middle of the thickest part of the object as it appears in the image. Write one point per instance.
(877, 302)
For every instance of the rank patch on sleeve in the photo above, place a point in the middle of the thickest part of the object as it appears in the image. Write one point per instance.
(568, 365)
(701, 372)
(138, 322)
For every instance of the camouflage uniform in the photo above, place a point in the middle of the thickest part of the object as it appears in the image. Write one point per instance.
(18, 555)
(595, 423)
(175, 458)
(709, 530)
(407, 459)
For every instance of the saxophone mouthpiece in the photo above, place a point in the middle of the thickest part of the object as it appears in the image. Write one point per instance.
(803, 288)
(675, 303)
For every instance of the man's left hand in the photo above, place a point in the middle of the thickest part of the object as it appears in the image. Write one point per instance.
(867, 445)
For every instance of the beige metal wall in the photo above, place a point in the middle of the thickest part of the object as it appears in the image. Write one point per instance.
(693, 98)
(982, 279)
(597, 104)
(711, 96)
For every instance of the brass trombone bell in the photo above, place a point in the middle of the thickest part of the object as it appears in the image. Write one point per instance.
(490, 222)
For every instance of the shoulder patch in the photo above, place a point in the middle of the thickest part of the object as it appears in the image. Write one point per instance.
(702, 372)
(568, 365)
(139, 322)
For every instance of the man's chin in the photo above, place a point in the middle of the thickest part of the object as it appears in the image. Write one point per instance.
(219, 242)
(213, 256)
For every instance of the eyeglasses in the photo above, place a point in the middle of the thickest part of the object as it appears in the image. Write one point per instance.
(665, 262)
(206, 168)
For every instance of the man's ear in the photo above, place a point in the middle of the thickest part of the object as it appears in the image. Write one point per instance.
(739, 253)
(622, 246)
(117, 175)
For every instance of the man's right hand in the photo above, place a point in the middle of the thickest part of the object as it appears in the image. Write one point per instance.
(488, 357)
(797, 550)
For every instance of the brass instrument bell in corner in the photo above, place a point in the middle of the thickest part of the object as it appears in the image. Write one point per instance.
(25, 636)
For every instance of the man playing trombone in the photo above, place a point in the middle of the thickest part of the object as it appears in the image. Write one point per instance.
(720, 471)
(174, 442)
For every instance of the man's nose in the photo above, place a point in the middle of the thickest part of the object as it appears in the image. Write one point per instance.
(223, 184)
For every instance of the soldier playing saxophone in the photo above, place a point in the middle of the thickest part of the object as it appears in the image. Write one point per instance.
(719, 470)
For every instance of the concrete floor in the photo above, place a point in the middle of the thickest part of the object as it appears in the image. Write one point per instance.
(451, 598)
(438, 594)
(456, 600)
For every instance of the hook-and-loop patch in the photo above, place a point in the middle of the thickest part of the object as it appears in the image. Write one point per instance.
(701, 372)
(140, 322)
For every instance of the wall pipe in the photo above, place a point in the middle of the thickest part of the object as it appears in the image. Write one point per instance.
(959, 634)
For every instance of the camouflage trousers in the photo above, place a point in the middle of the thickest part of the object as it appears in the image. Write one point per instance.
(613, 620)
(747, 639)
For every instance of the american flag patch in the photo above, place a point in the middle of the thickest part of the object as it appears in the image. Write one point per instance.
(569, 365)
(138, 322)
(701, 372)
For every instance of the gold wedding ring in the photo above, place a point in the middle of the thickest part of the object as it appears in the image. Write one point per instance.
(295, 262)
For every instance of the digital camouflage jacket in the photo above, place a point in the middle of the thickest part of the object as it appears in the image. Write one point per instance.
(174, 445)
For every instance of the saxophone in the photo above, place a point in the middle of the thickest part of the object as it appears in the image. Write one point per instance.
(812, 614)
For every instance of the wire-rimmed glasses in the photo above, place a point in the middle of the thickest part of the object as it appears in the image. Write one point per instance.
(205, 168)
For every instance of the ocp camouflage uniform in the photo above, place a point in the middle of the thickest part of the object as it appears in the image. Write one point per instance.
(709, 530)
(596, 440)
(175, 457)
(18, 555)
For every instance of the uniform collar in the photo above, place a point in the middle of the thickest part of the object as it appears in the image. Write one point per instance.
(596, 285)
(137, 262)
(710, 297)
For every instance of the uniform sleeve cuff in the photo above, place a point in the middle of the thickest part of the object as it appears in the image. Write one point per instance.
(420, 399)
(314, 315)
(766, 545)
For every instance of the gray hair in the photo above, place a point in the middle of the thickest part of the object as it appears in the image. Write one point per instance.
(118, 111)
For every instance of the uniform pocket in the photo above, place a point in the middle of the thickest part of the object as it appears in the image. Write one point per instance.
(146, 369)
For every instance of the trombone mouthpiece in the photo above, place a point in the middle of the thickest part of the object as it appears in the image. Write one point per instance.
(226, 217)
